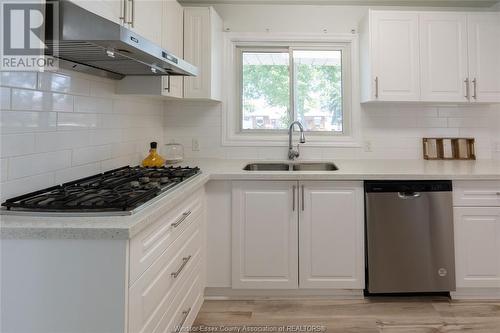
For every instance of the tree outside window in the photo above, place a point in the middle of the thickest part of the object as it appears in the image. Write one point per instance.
(294, 84)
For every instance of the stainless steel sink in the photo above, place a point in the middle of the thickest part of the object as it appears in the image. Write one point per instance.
(314, 167)
(267, 167)
(301, 166)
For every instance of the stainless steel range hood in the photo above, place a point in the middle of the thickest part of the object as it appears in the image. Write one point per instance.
(89, 43)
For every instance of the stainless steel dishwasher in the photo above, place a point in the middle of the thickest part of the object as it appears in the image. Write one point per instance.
(409, 236)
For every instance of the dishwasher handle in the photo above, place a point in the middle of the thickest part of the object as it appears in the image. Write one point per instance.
(409, 195)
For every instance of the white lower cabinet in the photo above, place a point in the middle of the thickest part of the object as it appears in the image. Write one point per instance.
(477, 238)
(169, 291)
(265, 244)
(289, 235)
(331, 242)
(477, 247)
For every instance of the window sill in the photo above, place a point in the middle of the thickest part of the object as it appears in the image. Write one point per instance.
(252, 140)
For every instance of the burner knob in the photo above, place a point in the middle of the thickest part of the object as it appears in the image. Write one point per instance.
(135, 184)
(164, 180)
(144, 179)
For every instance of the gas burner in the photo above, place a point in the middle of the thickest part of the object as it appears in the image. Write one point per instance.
(122, 189)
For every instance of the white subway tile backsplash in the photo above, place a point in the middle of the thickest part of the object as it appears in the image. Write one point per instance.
(101, 136)
(62, 125)
(24, 122)
(464, 111)
(23, 99)
(91, 154)
(25, 185)
(93, 104)
(33, 164)
(73, 173)
(63, 83)
(394, 131)
(113, 163)
(4, 98)
(432, 122)
(18, 79)
(124, 148)
(17, 144)
(469, 122)
(61, 140)
(4, 169)
(102, 89)
(391, 122)
(77, 121)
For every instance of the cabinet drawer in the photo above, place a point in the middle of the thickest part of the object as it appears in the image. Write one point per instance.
(476, 193)
(151, 295)
(185, 305)
(147, 246)
(185, 314)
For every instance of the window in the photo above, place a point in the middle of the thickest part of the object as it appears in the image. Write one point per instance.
(279, 85)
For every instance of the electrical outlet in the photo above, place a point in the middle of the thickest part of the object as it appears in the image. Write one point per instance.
(368, 146)
(195, 145)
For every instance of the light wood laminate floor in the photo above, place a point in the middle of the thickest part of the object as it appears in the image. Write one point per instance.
(421, 315)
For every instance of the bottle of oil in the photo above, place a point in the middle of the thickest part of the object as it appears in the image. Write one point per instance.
(153, 159)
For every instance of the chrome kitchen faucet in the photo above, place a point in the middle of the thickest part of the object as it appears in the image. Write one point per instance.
(292, 153)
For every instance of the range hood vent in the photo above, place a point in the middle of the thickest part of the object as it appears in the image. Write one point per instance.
(89, 43)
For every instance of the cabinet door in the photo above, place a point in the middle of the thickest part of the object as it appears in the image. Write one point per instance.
(484, 56)
(197, 51)
(477, 247)
(146, 18)
(111, 9)
(331, 240)
(203, 48)
(173, 41)
(264, 235)
(443, 57)
(395, 48)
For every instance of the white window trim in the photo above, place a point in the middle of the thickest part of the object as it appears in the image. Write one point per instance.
(232, 136)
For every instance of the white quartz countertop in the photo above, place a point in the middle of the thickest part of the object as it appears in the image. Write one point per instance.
(219, 169)
(125, 227)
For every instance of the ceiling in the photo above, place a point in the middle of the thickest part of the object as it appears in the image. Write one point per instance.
(427, 3)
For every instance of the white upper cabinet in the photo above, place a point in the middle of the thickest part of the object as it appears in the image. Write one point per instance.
(145, 18)
(430, 57)
(142, 16)
(390, 66)
(331, 242)
(484, 56)
(171, 31)
(443, 56)
(203, 48)
(173, 41)
(264, 235)
(112, 10)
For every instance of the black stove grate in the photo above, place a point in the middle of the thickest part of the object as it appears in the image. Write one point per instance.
(121, 189)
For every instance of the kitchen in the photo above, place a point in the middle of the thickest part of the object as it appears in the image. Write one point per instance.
(271, 223)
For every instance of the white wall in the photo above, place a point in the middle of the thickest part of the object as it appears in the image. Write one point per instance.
(392, 131)
(61, 127)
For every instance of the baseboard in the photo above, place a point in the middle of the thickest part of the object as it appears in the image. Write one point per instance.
(262, 294)
(476, 294)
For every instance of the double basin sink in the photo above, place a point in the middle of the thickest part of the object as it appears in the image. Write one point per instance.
(299, 166)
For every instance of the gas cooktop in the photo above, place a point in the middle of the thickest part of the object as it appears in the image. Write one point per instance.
(119, 191)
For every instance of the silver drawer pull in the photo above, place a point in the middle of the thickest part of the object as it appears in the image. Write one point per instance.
(185, 314)
(181, 219)
(184, 263)
(498, 193)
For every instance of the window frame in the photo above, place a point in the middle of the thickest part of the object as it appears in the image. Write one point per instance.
(232, 114)
(292, 111)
